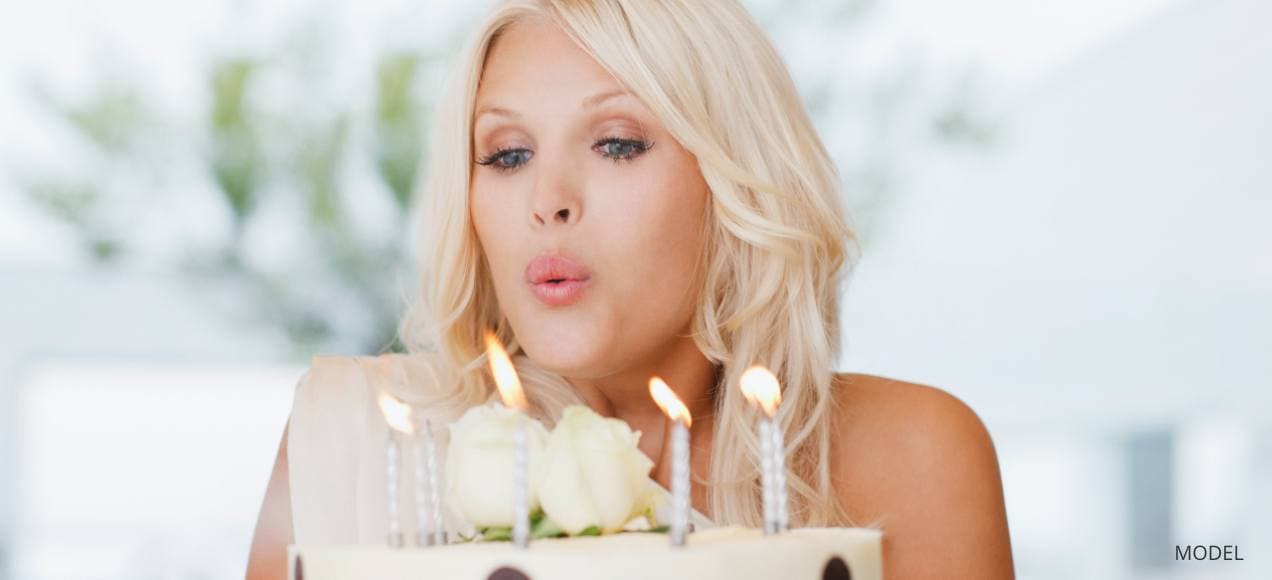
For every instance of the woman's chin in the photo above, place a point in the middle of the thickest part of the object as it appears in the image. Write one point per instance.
(572, 354)
(564, 359)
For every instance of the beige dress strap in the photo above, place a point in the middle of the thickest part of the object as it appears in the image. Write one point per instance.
(336, 448)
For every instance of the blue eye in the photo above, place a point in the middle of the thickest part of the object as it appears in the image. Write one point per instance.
(507, 159)
(622, 149)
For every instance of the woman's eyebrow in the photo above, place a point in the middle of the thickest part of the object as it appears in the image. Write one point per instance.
(588, 103)
(595, 100)
(497, 111)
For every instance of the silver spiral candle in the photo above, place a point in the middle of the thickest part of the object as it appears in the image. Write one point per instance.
(521, 491)
(768, 493)
(429, 527)
(391, 456)
(680, 485)
(781, 509)
(434, 489)
(422, 537)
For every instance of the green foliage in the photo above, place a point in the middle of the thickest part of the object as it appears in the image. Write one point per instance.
(77, 203)
(399, 132)
(495, 534)
(107, 120)
(236, 150)
(256, 156)
(541, 527)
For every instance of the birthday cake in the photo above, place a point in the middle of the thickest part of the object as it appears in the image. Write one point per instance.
(507, 499)
(591, 513)
(730, 552)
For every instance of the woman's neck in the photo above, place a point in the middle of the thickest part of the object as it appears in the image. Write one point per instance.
(625, 395)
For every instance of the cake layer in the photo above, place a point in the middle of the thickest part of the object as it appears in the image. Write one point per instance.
(720, 553)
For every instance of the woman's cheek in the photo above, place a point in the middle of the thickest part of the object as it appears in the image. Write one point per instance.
(664, 254)
(492, 224)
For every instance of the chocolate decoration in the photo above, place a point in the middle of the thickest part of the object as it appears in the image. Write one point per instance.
(300, 570)
(836, 569)
(507, 573)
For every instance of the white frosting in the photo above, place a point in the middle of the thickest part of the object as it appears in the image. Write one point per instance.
(730, 552)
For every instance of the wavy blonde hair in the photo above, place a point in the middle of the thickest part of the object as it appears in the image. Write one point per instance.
(778, 249)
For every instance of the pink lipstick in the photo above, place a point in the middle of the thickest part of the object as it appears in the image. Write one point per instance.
(557, 280)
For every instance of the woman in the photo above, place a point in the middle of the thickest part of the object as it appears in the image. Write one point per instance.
(622, 189)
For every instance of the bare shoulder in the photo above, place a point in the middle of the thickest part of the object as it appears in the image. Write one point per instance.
(893, 435)
(919, 463)
(905, 415)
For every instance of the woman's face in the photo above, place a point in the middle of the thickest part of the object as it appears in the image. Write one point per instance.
(590, 215)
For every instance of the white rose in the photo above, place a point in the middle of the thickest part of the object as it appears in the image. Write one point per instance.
(479, 464)
(593, 473)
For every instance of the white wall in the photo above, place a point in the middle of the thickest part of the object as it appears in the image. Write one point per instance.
(139, 330)
(1114, 247)
(1104, 273)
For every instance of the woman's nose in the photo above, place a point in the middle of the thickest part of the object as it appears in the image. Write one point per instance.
(556, 201)
(561, 216)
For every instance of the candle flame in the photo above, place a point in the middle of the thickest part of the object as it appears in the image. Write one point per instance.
(759, 385)
(396, 413)
(669, 402)
(505, 374)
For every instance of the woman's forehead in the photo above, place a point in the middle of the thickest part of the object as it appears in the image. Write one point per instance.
(534, 58)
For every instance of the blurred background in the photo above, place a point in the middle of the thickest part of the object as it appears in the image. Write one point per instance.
(1063, 206)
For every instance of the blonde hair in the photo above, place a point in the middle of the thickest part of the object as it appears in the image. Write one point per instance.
(779, 238)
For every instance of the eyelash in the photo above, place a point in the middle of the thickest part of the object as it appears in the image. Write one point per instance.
(639, 147)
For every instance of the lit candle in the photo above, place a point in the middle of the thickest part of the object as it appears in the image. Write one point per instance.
(513, 397)
(760, 387)
(678, 413)
(397, 414)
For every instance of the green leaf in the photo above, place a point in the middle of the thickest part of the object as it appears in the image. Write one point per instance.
(540, 527)
(496, 534)
(590, 531)
(546, 528)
